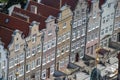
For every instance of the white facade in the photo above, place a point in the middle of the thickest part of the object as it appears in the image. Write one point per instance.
(107, 20)
(3, 62)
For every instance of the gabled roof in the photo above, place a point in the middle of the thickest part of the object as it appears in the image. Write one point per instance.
(13, 23)
(56, 3)
(5, 35)
(24, 15)
(43, 9)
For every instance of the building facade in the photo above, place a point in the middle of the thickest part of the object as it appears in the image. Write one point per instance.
(106, 29)
(78, 31)
(93, 29)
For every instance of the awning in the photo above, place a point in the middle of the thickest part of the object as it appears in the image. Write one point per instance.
(72, 66)
(58, 74)
(87, 58)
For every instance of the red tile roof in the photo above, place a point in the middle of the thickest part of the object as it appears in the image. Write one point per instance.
(13, 23)
(5, 35)
(24, 14)
(43, 9)
(56, 3)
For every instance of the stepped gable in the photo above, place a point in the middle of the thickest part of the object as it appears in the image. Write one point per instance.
(43, 10)
(13, 23)
(29, 17)
(5, 35)
(56, 3)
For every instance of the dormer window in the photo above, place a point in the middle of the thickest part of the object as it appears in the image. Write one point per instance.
(34, 9)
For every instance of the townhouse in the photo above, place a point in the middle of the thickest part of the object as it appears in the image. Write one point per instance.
(78, 31)
(93, 29)
(22, 58)
(106, 28)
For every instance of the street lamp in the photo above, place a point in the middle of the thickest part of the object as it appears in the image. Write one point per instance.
(42, 41)
(25, 49)
(56, 31)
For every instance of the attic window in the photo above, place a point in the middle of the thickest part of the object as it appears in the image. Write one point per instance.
(6, 20)
(34, 9)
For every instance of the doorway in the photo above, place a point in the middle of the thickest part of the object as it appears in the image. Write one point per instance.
(77, 57)
(48, 72)
(57, 66)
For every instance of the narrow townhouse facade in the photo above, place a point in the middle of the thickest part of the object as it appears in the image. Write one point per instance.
(63, 43)
(106, 28)
(116, 36)
(93, 29)
(49, 48)
(78, 31)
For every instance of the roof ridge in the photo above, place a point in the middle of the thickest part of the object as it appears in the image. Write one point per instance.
(46, 5)
(19, 19)
(31, 12)
(6, 28)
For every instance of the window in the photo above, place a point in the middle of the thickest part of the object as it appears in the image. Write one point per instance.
(61, 63)
(33, 9)
(21, 70)
(34, 38)
(28, 53)
(33, 51)
(44, 74)
(110, 29)
(53, 43)
(74, 24)
(28, 67)
(50, 32)
(11, 62)
(84, 21)
(39, 48)
(38, 61)
(109, 5)
(78, 36)
(79, 22)
(17, 47)
(52, 69)
(64, 25)
(73, 36)
(21, 57)
(45, 47)
(58, 52)
(106, 30)
(33, 64)
(44, 60)
(102, 31)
